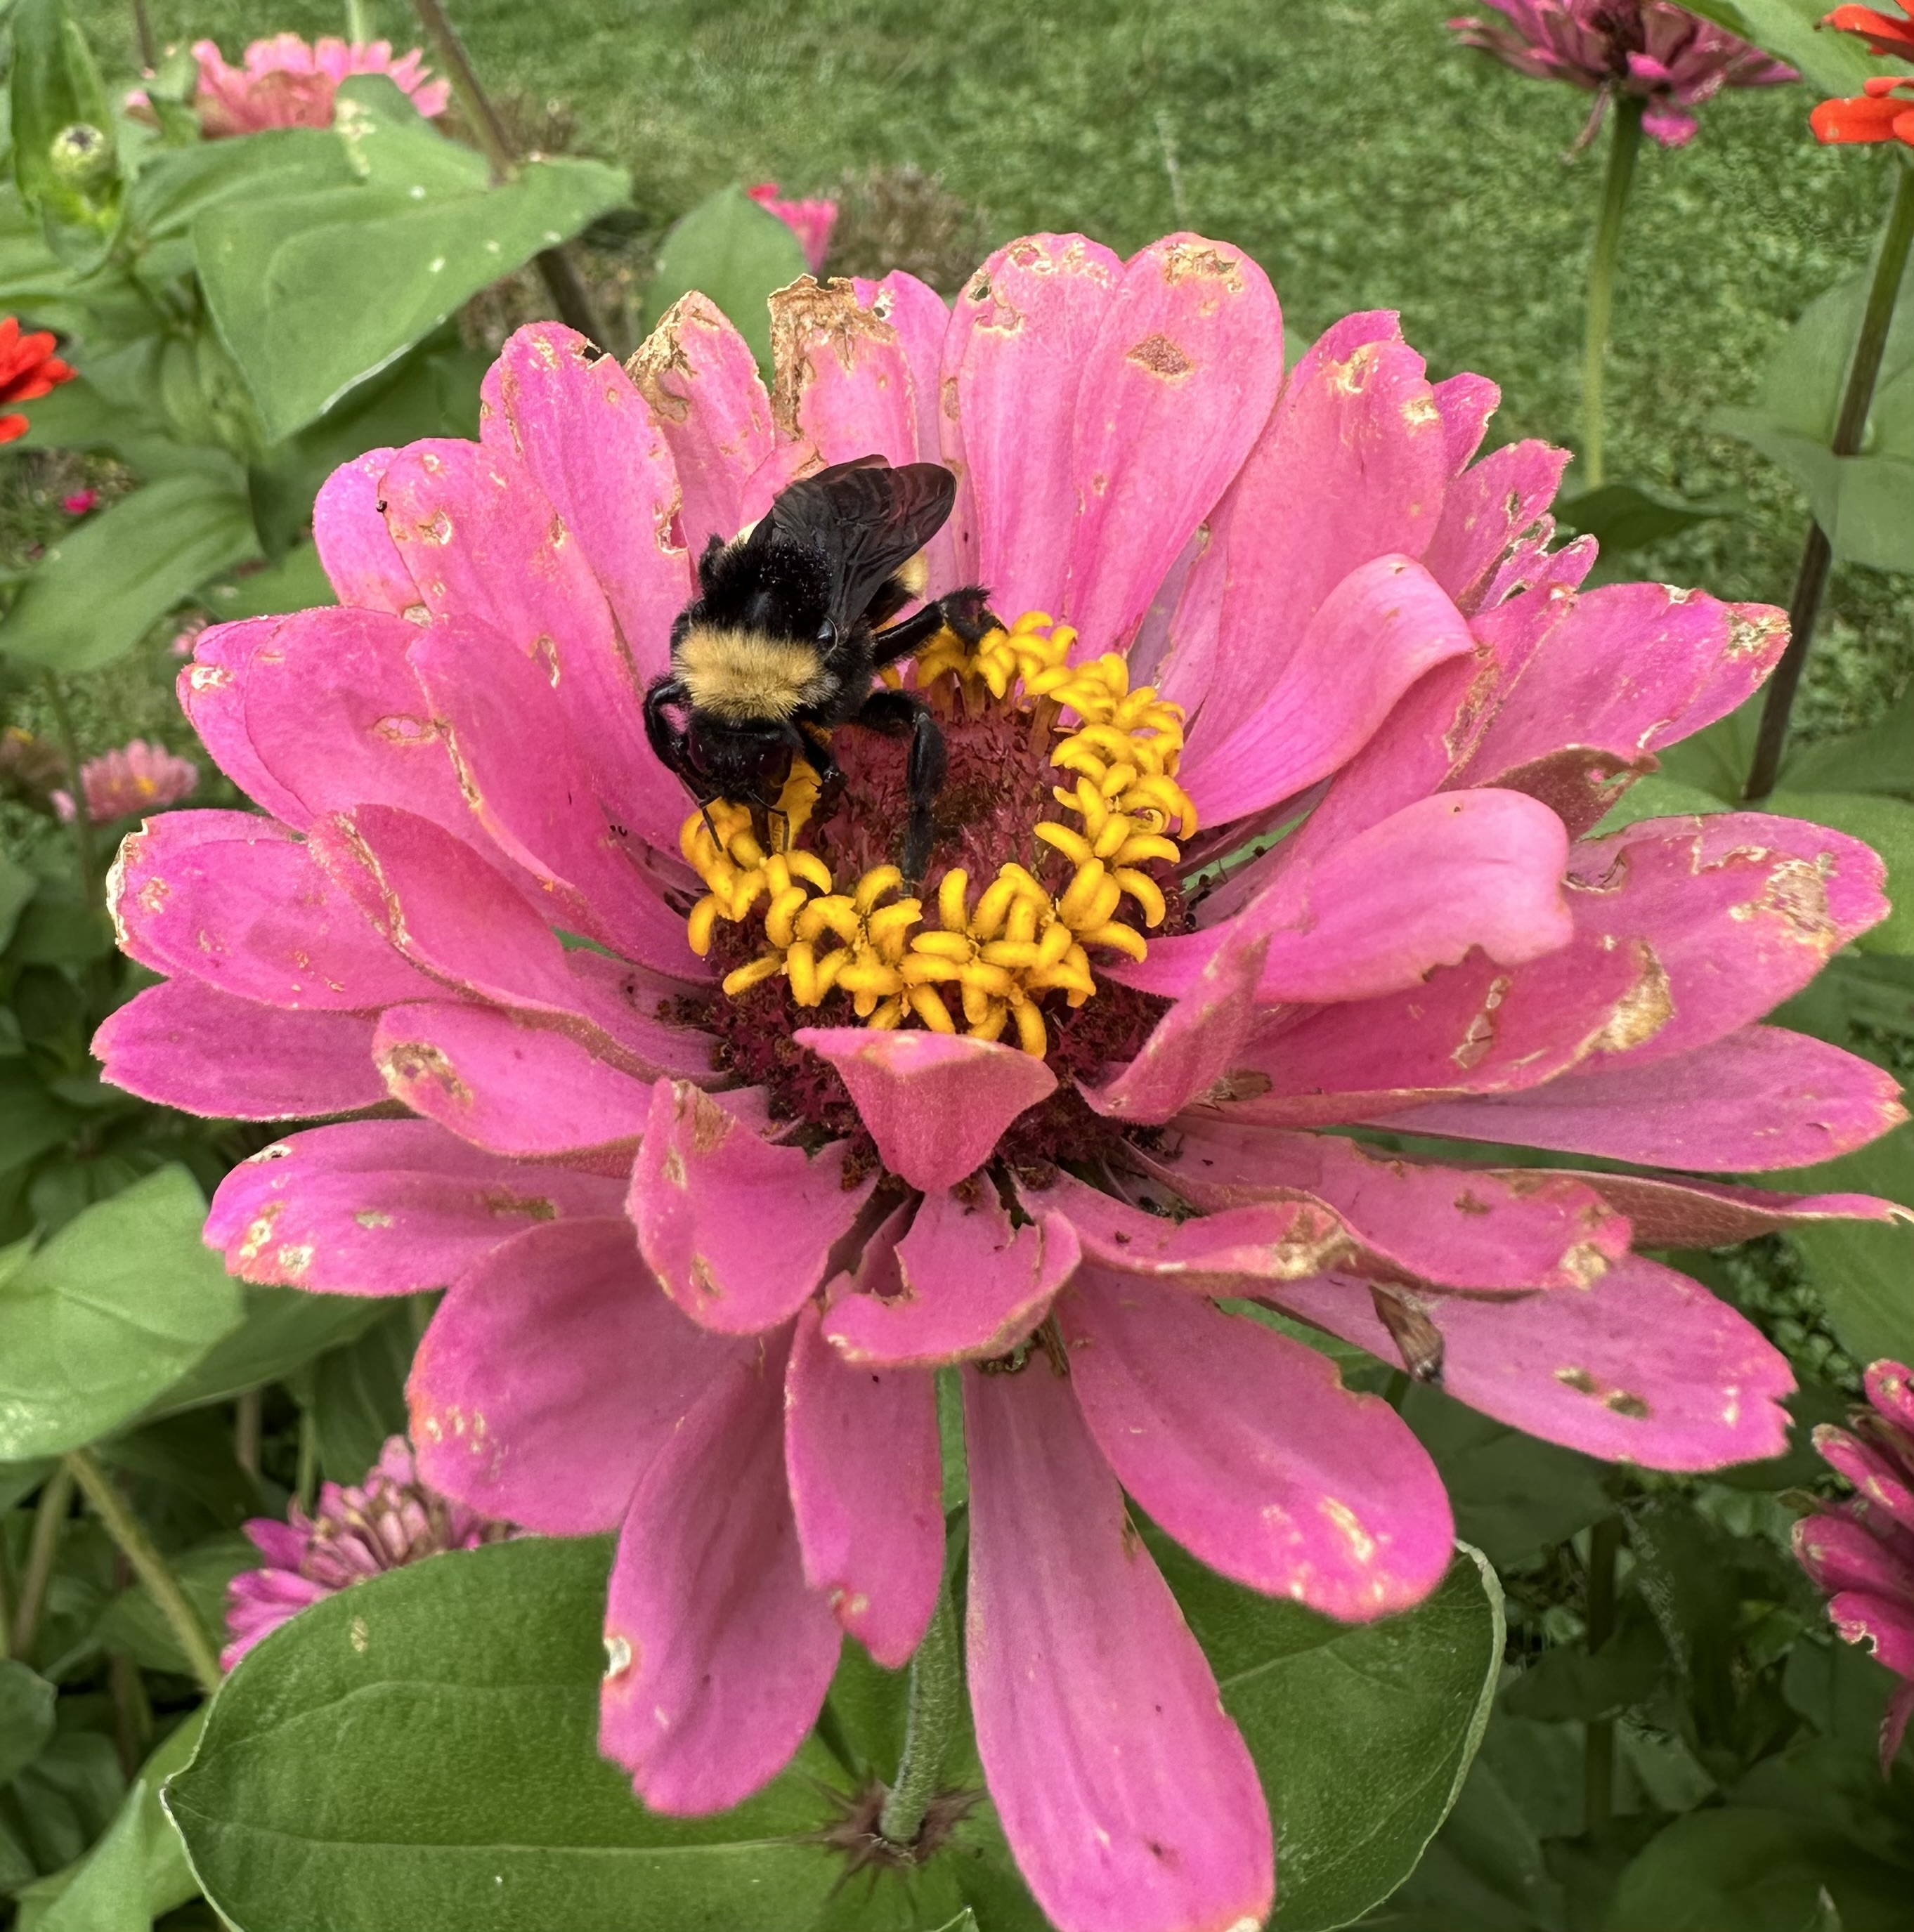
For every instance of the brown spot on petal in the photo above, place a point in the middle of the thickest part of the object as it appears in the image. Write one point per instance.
(1161, 357)
(1467, 1203)
(706, 1283)
(1748, 635)
(1797, 891)
(533, 1207)
(1479, 1035)
(711, 1125)
(1643, 1010)
(1623, 1403)
(808, 320)
(402, 728)
(370, 1217)
(1585, 1264)
(1189, 261)
(258, 1230)
(1132, 1541)
(410, 1063)
(1579, 1380)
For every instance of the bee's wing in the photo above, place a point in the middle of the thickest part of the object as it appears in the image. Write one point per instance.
(867, 519)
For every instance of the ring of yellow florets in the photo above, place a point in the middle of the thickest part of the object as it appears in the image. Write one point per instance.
(980, 963)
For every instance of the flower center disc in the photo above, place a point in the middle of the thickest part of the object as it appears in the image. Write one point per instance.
(1056, 834)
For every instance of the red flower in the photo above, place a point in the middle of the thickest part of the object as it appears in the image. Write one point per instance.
(1884, 110)
(29, 368)
(1883, 33)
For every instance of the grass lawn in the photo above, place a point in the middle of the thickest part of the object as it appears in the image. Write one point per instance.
(1364, 161)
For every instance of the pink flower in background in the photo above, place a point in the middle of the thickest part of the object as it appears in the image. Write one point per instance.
(388, 1521)
(811, 221)
(80, 502)
(1662, 54)
(1861, 1551)
(135, 779)
(289, 83)
(715, 1194)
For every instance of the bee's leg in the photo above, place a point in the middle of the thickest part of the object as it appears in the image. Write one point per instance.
(669, 741)
(967, 612)
(818, 755)
(905, 639)
(894, 712)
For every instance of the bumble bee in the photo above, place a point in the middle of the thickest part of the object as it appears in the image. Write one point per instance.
(782, 643)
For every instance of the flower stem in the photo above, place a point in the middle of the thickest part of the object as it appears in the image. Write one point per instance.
(1817, 557)
(358, 22)
(1624, 142)
(1598, 1754)
(142, 30)
(246, 1423)
(569, 296)
(84, 848)
(937, 1708)
(49, 1519)
(129, 1534)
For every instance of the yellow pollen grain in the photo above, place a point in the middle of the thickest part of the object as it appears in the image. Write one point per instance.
(980, 961)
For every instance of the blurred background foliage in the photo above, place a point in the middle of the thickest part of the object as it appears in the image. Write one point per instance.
(1657, 1623)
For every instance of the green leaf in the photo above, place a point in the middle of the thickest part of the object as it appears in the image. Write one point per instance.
(64, 1799)
(1863, 1268)
(1623, 517)
(1363, 1734)
(359, 1391)
(1791, 31)
(137, 1871)
(26, 1717)
(735, 252)
(115, 1307)
(1658, 795)
(104, 586)
(313, 292)
(1567, 1683)
(297, 582)
(1860, 501)
(283, 1329)
(31, 1119)
(135, 1624)
(1755, 1871)
(1885, 823)
(1879, 757)
(55, 88)
(17, 886)
(1511, 1494)
(422, 1751)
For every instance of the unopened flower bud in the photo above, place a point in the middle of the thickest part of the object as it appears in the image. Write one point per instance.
(83, 156)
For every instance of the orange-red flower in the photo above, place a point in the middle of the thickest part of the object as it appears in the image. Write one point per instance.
(1884, 110)
(29, 368)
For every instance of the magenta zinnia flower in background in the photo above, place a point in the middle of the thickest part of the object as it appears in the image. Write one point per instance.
(289, 83)
(1861, 1551)
(390, 1520)
(811, 221)
(717, 1193)
(1672, 59)
(130, 780)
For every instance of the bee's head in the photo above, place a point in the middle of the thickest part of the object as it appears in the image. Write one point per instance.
(739, 760)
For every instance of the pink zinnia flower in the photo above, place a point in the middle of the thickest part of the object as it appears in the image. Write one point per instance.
(390, 1520)
(1861, 1551)
(1663, 55)
(289, 83)
(79, 502)
(134, 778)
(811, 221)
(712, 1214)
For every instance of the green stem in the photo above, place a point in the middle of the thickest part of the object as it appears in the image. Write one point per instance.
(129, 1534)
(306, 1483)
(1817, 557)
(84, 848)
(566, 287)
(142, 31)
(1598, 1755)
(936, 1711)
(1624, 142)
(358, 22)
(246, 1421)
(55, 1501)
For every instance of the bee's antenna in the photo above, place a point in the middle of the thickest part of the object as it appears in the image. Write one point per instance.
(783, 821)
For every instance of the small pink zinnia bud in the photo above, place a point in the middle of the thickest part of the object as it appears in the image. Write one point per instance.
(139, 777)
(388, 1521)
(1861, 1551)
(79, 502)
(811, 221)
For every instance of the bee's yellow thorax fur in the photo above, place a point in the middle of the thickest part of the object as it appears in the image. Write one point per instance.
(741, 674)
